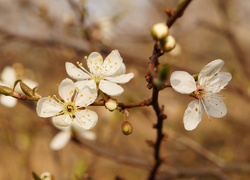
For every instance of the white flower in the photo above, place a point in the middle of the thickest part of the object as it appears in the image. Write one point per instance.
(8, 78)
(62, 138)
(210, 82)
(73, 106)
(104, 74)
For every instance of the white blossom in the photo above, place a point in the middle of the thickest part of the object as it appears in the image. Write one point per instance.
(104, 75)
(72, 106)
(8, 78)
(210, 82)
(62, 138)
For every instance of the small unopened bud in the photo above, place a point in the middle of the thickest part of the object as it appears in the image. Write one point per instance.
(127, 128)
(159, 31)
(26, 89)
(111, 104)
(170, 43)
(163, 72)
(5, 90)
(46, 176)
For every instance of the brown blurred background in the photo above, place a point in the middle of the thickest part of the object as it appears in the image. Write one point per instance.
(41, 35)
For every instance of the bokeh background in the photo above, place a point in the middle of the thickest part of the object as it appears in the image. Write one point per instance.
(37, 37)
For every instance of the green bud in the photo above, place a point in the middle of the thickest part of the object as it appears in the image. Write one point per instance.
(111, 104)
(25, 88)
(5, 90)
(170, 43)
(159, 31)
(163, 72)
(127, 128)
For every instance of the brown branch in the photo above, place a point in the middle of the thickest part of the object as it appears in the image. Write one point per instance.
(178, 12)
(152, 74)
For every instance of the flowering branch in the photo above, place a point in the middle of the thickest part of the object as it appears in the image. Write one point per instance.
(150, 77)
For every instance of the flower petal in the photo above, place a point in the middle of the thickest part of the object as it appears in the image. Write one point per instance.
(214, 105)
(66, 89)
(75, 72)
(121, 79)
(95, 63)
(85, 97)
(62, 122)
(8, 101)
(110, 88)
(48, 107)
(89, 135)
(182, 82)
(218, 82)
(192, 115)
(60, 140)
(8, 76)
(85, 83)
(209, 71)
(120, 71)
(86, 119)
(113, 63)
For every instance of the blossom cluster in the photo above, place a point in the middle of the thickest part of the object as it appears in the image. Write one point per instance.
(104, 77)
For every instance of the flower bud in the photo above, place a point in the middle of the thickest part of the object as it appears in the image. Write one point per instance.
(159, 31)
(46, 176)
(111, 104)
(170, 43)
(127, 128)
(26, 89)
(5, 90)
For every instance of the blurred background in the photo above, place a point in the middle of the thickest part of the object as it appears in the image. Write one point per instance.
(37, 37)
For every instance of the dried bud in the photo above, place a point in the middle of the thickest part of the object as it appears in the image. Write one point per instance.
(159, 31)
(170, 43)
(127, 128)
(111, 104)
(5, 90)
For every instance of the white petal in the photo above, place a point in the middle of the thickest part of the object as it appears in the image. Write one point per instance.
(86, 119)
(121, 79)
(85, 97)
(215, 107)
(120, 71)
(66, 89)
(8, 101)
(95, 63)
(60, 140)
(8, 76)
(112, 64)
(89, 135)
(62, 122)
(218, 82)
(192, 115)
(110, 88)
(182, 82)
(75, 72)
(209, 71)
(48, 107)
(87, 83)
